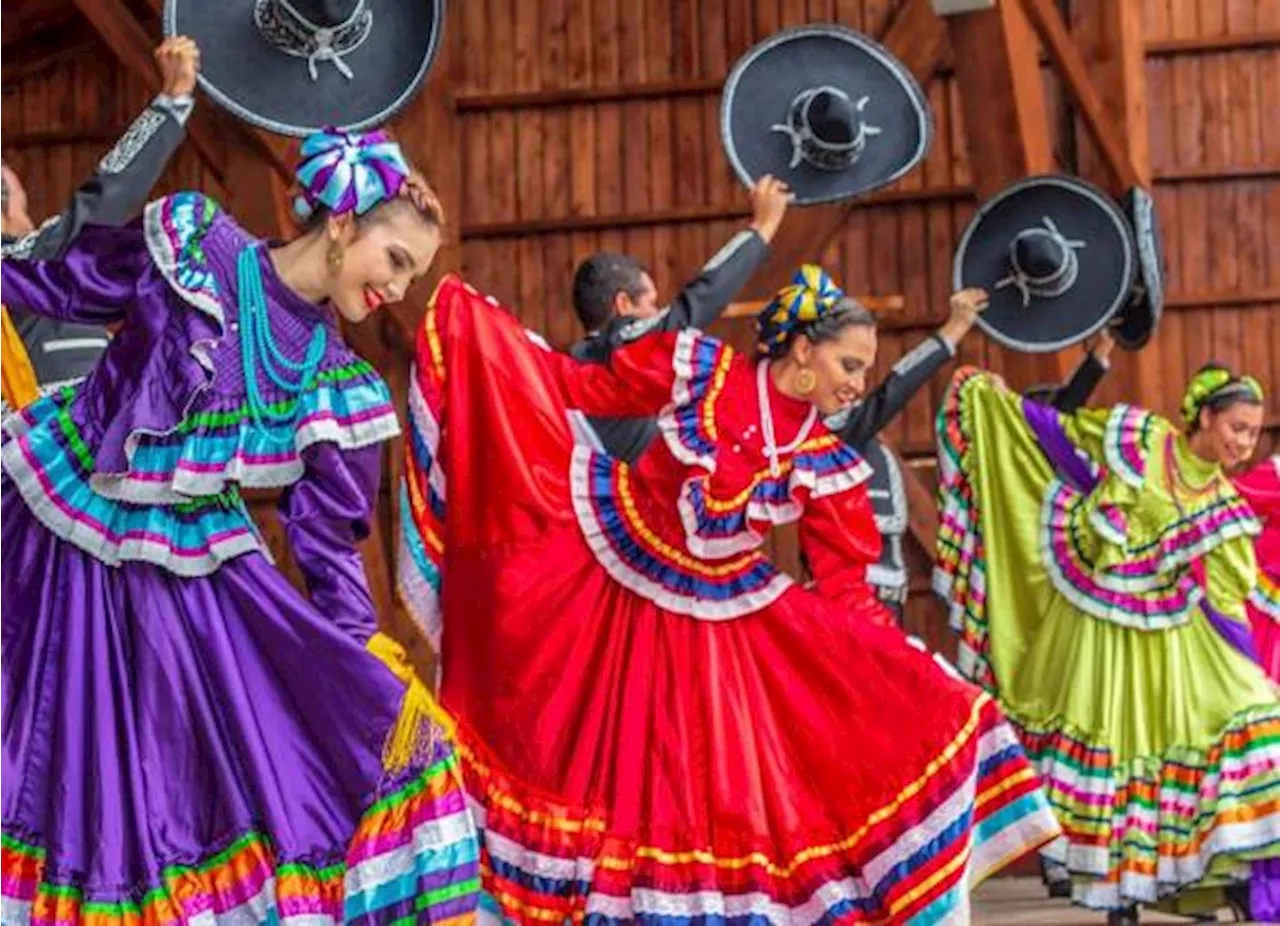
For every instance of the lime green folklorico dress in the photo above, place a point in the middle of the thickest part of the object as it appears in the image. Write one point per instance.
(1097, 573)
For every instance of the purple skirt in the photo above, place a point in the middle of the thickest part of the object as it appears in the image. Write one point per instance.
(174, 743)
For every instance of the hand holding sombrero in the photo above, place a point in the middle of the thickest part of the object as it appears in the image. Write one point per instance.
(297, 66)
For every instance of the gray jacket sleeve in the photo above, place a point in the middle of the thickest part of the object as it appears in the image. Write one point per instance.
(870, 416)
(706, 297)
(118, 189)
(63, 351)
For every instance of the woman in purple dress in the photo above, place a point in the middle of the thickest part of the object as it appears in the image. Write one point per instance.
(185, 736)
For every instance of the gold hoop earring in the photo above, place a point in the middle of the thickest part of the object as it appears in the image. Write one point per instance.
(806, 381)
(333, 257)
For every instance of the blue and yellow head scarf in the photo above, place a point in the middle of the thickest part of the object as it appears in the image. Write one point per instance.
(1210, 383)
(811, 295)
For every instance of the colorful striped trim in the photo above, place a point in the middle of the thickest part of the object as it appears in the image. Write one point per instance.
(1146, 827)
(974, 809)
(1128, 441)
(688, 424)
(1065, 529)
(423, 492)
(959, 576)
(1265, 597)
(639, 559)
(350, 406)
(51, 465)
(414, 857)
(722, 527)
(174, 228)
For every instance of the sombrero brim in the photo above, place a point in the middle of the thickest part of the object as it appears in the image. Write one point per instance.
(264, 86)
(1138, 320)
(1080, 211)
(761, 86)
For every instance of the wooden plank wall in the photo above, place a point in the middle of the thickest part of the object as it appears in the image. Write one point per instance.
(593, 124)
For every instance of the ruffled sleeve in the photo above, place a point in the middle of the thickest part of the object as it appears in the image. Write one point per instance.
(839, 539)
(325, 514)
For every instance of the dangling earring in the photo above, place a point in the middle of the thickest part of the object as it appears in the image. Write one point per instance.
(333, 257)
(806, 381)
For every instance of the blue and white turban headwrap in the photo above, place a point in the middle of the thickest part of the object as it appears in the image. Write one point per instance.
(348, 172)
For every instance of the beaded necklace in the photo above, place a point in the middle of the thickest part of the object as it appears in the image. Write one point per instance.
(258, 348)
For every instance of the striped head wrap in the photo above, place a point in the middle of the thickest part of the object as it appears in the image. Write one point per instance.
(348, 172)
(1216, 382)
(810, 296)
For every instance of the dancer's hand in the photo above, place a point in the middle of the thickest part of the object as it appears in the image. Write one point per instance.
(1103, 346)
(966, 305)
(770, 198)
(179, 61)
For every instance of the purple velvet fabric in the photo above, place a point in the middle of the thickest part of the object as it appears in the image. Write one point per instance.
(1264, 891)
(151, 720)
(1057, 447)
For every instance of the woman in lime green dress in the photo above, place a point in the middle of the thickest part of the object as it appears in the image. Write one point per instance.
(1097, 566)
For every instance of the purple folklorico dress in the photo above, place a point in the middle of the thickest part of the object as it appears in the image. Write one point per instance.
(185, 735)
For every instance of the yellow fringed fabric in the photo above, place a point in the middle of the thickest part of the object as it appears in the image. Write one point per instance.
(420, 713)
(19, 379)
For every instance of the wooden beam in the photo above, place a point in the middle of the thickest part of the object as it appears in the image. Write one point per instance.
(1215, 44)
(132, 47)
(998, 74)
(1110, 36)
(1204, 173)
(1126, 23)
(562, 224)
(918, 38)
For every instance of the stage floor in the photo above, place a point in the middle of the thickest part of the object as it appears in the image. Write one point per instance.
(1021, 902)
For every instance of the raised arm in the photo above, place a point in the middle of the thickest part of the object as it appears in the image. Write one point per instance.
(1077, 390)
(325, 515)
(93, 282)
(706, 296)
(637, 382)
(116, 192)
(867, 419)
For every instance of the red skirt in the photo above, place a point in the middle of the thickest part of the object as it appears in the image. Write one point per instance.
(792, 765)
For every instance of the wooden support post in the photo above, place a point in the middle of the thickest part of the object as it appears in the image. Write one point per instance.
(918, 38)
(998, 73)
(997, 62)
(1124, 20)
(1110, 38)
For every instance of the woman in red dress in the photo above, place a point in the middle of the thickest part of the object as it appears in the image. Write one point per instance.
(656, 723)
(1260, 487)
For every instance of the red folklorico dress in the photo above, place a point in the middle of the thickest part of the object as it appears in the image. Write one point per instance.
(1260, 487)
(657, 724)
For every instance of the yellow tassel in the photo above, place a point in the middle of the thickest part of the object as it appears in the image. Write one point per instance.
(15, 366)
(420, 716)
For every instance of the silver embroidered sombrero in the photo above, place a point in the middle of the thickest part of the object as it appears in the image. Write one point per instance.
(1056, 256)
(296, 66)
(826, 109)
(1137, 321)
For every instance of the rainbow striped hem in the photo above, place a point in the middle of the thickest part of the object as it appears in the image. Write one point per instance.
(414, 858)
(974, 809)
(1144, 828)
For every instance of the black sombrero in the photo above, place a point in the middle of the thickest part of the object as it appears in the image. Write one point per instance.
(825, 109)
(296, 66)
(1056, 256)
(1137, 321)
